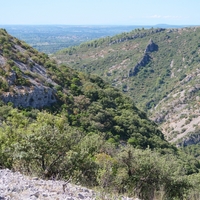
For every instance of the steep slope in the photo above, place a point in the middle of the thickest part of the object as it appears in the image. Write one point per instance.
(158, 68)
(23, 77)
(31, 79)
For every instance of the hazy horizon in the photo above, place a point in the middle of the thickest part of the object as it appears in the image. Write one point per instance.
(100, 12)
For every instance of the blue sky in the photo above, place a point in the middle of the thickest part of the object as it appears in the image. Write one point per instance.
(100, 12)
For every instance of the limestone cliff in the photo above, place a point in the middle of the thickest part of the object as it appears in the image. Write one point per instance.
(24, 81)
(36, 97)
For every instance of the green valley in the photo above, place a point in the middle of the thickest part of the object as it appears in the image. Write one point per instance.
(157, 68)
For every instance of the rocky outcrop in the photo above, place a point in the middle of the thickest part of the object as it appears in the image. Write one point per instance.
(35, 97)
(36, 93)
(2, 60)
(151, 47)
(144, 61)
(12, 78)
(190, 140)
(24, 79)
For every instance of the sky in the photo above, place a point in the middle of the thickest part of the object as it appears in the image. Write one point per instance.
(99, 12)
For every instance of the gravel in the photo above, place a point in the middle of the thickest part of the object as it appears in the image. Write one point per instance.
(16, 186)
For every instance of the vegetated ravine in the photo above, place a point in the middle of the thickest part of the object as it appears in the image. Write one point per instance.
(57, 123)
(158, 68)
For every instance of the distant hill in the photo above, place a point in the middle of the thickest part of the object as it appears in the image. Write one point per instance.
(158, 68)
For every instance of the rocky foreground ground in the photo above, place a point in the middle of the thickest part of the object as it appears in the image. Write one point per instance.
(16, 186)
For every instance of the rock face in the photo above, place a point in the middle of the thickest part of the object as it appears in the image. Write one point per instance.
(151, 47)
(25, 78)
(12, 78)
(2, 60)
(35, 97)
(190, 140)
(144, 61)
